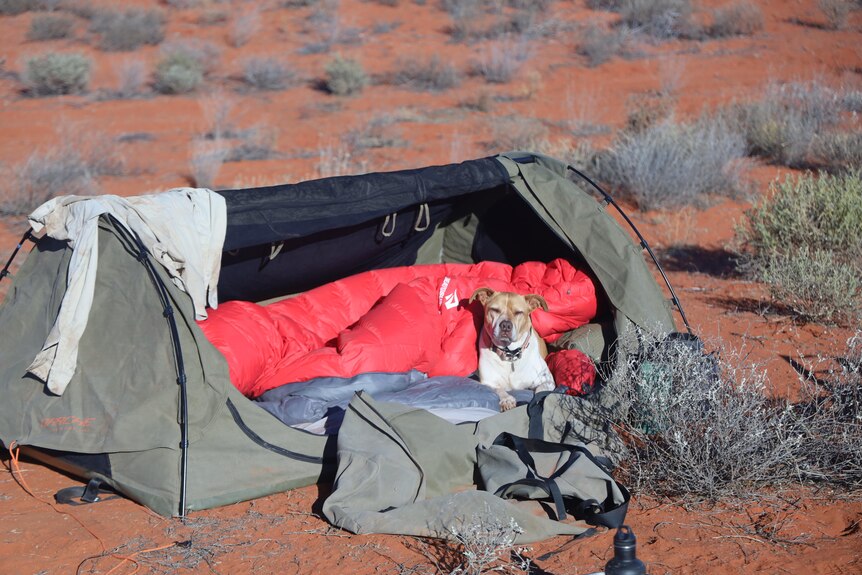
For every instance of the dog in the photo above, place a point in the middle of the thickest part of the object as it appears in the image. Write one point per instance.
(511, 353)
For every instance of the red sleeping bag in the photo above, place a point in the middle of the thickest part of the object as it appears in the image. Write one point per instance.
(390, 320)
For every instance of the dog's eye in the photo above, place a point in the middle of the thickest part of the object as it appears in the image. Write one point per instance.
(519, 313)
(495, 310)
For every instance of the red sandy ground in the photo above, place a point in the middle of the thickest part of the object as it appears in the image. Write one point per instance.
(813, 533)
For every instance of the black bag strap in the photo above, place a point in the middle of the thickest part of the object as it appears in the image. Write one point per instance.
(534, 412)
(81, 495)
(606, 513)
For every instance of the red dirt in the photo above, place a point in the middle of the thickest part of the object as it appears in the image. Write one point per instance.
(816, 534)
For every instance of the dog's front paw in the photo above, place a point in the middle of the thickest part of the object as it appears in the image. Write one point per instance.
(507, 402)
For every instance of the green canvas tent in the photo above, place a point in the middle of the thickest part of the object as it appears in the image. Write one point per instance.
(150, 410)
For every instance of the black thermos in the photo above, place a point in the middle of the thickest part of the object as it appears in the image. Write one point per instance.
(625, 561)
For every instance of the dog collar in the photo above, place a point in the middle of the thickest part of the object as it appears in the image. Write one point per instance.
(511, 355)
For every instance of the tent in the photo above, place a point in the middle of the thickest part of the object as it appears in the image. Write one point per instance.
(151, 411)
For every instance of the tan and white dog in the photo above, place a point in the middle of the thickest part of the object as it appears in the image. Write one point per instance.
(511, 353)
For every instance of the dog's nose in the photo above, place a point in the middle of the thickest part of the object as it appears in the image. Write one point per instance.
(505, 325)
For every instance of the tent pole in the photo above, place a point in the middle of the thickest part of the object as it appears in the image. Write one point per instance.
(643, 242)
(28, 235)
(143, 256)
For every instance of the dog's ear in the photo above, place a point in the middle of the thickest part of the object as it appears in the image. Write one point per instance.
(536, 301)
(483, 294)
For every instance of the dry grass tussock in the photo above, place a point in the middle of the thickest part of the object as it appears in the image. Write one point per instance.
(71, 168)
(700, 427)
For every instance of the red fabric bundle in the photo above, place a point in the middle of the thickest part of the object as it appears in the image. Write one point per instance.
(390, 320)
(572, 369)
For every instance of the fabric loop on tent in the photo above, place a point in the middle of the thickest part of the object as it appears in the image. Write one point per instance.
(424, 214)
(386, 230)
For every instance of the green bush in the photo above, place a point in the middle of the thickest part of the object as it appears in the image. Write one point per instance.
(54, 73)
(814, 285)
(658, 18)
(177, 75)
(818, 212)
(50, 27)
(805, 241)
(345, 76)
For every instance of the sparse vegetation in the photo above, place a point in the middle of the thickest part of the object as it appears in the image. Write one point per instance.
(50, 27)
(784, 125)
(73, 167)
(511, 133)
(487, 546)
(805, 241)
(243, 27)
(15, 7)
(207, 157)
(432, 74)
(836, 12)
(267, 73)
(669, 164)
(659, 18)
(598, 44)
(55, 74)
(131, 78)
(738, 19)
(345, 76)
(500, 62)
(701, 427)
(128, 30)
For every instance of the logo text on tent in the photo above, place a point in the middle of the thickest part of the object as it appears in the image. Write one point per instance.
(67, 422)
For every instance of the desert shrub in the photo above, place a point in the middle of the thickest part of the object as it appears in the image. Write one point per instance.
(378, 132)
(784, 124)
(851, 100)
(670, 164)
(243, 27)
(645, 111)
(128, 30)
(813, 285)
(464, 15)
(50, 27)
(500, 62)
(698, 426)
(822, 213)
(830, 419)
(204, 54)
(338, 160)
(512, 133)
(431, 74)
(487, 545)
(184, 65)
(176, 74)
(598, 44)
(739, 19)
(836, 12)
(345, 76)
(131, 78)
(266, 73)
(73, 167)
(609, 5)
(805, 242)
(838, 150)
(52, 74)
(257, 143)
(658, 18)
(15, 7)
(207, 158)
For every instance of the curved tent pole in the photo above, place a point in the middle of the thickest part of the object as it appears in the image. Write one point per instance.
(28, 235)
(143, 256)
(643, 242)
